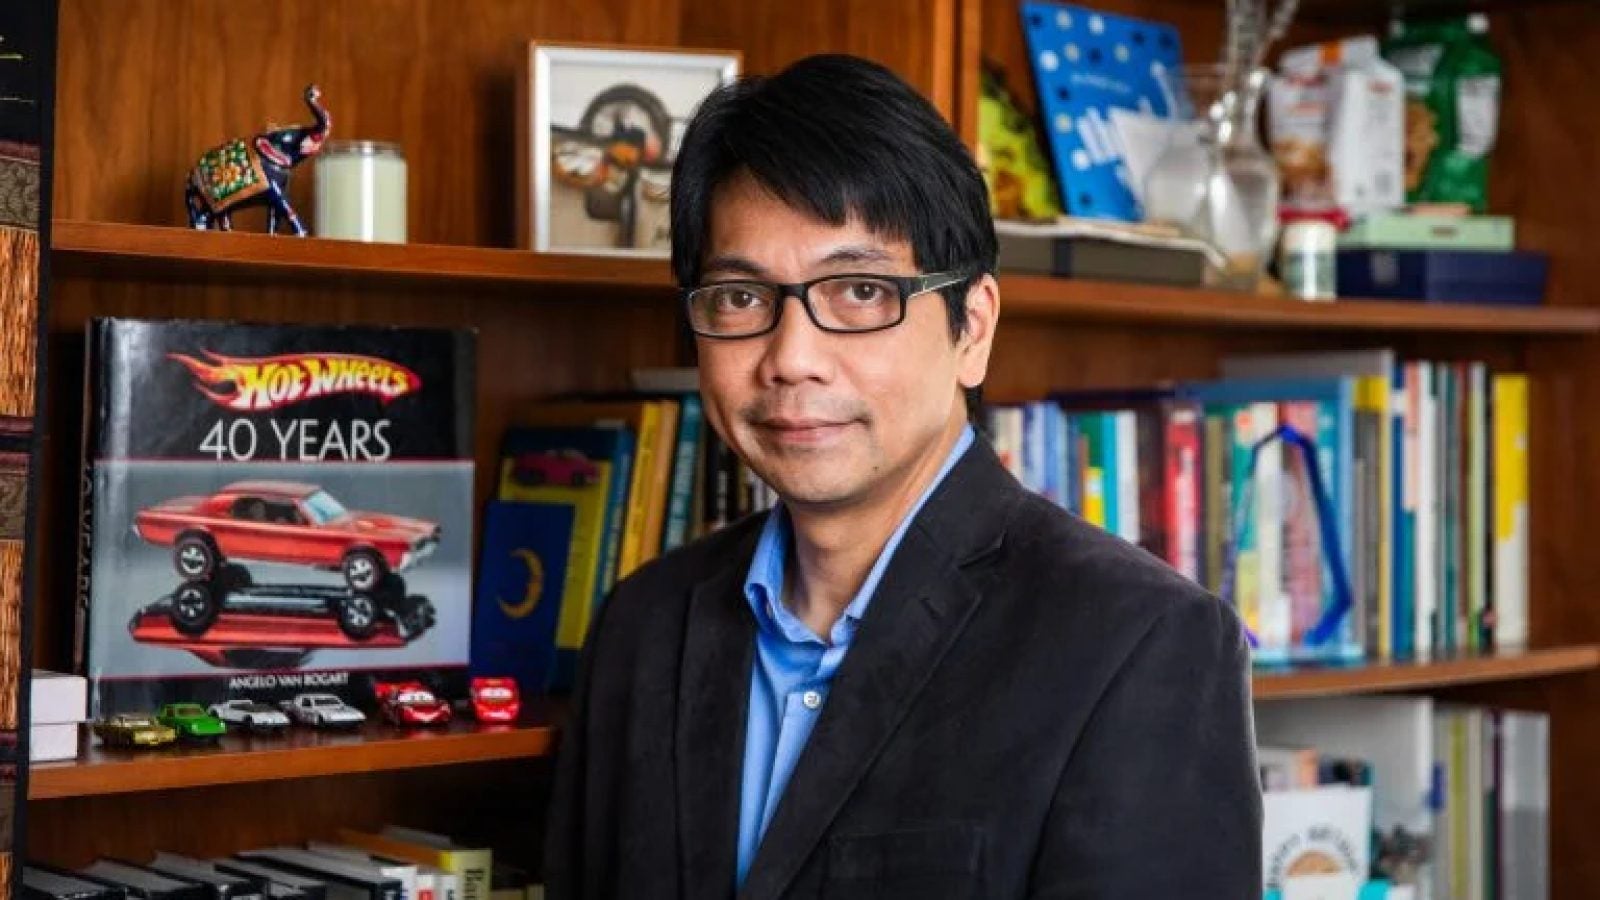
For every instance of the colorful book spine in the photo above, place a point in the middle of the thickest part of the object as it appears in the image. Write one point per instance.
(1511, 509)
(680, 500)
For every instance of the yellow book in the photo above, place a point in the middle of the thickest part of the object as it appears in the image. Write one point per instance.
(1094, 496)
(659, 488)
(1510, 509)
(471, 865)
(1373, 396)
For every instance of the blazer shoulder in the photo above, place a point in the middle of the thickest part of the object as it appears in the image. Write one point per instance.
(1065, 561)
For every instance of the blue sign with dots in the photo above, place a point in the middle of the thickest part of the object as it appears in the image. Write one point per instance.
(1085, 64)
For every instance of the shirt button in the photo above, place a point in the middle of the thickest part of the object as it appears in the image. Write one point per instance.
(811, 699)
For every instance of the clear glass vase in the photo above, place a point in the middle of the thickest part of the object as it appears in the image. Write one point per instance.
(1215, 180)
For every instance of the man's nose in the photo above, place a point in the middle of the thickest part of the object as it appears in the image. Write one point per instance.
(797, 350)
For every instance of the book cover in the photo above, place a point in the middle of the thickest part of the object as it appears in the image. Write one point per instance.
(587, 469)
(526, 548)
(271, 509)
(1319, 831)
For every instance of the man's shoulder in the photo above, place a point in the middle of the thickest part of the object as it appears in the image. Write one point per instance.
(1070, 567)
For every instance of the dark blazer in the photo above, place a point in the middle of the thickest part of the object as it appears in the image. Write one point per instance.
(1031, 708)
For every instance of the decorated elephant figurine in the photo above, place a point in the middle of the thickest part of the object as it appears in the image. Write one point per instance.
(255, 172)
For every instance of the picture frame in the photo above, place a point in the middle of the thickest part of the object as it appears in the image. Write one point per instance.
(598, 130)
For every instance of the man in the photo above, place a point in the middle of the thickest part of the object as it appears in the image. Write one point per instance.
(913, 678)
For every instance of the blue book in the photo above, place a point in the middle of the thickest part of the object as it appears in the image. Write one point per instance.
(518, 599)
(1401, 604)
(680, 499)
(1085, 64)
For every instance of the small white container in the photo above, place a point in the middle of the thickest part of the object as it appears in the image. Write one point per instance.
(361, 192)
(1307, 259)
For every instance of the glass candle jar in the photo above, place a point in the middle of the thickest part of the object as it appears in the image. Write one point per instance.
(361, 192)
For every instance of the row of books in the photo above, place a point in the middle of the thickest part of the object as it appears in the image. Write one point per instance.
(1423, 475)
(1455, 799)
(592, 488)
(397, 864)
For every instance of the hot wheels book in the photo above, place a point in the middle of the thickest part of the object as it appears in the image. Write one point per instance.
(273, 509)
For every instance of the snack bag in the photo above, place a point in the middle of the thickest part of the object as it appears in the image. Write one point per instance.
(1452, 80)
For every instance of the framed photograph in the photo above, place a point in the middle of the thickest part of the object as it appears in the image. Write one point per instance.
(598, 131)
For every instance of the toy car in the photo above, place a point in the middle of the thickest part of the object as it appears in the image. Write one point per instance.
(285, 522)
(410, 703)
(257, 717)
(191, 722)
(564, 467)
(194, 607)
(323, 711)
(133, 730)
(495, 699)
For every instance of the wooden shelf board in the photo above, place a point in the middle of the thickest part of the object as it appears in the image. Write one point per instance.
(1383, 677)
(95, 246)
(301, 753)
(1116, 302)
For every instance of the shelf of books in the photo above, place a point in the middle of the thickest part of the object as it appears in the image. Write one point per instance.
(300, 753)
(94, 246)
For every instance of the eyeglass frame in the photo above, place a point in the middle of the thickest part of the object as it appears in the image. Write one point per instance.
(909, 286)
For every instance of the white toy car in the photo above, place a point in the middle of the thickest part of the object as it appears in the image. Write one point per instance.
(323, 711)
(248, 714)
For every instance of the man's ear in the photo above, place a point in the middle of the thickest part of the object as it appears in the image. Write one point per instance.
(977, 337)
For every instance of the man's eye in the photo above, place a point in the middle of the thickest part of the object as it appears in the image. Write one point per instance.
(735, 299)
(866, 293)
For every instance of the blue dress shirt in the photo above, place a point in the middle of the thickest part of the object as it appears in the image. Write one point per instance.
(794, 668)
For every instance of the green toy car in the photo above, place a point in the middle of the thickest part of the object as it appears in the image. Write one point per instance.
(191, 722)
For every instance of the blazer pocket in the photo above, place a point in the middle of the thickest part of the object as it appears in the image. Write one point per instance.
(939, 862)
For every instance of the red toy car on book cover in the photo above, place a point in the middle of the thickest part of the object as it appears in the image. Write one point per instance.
(410, 703)
(312, 487)
(285, 522)
(495, 699)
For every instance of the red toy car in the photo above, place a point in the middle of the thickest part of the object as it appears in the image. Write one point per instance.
(495, 699)
(564, 467)
(285, 522)
(409, 703)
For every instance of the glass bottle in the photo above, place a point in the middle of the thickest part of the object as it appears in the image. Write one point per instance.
(1215, 181)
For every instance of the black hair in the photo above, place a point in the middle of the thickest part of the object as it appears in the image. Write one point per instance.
(839, 136)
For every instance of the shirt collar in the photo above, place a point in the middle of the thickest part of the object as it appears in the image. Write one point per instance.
(763, 586)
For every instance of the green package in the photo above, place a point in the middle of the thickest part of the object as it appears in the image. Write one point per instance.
(1452, 80)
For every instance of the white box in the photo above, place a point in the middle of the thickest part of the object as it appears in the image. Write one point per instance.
(58, 698)
(52, 742)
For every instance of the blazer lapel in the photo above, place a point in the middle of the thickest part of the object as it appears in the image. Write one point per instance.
(921, 606)
(713, 699)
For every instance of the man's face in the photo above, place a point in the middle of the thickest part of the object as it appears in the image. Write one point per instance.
(829, 420)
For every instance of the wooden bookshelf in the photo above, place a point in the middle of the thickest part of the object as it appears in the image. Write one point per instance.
(109, 248)
(1424, 675)
(301, 753)
(130, 123)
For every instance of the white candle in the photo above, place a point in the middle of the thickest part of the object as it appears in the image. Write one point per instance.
(361, 192)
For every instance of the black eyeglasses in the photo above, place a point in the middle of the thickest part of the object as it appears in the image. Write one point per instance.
(840, 304)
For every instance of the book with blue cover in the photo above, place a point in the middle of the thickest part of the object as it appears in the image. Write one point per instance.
(1085, 64)
(520, 580)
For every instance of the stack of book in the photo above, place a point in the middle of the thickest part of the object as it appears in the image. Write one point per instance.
(1458, 797)
(588, 491)
(1423, 466)
(395, 864)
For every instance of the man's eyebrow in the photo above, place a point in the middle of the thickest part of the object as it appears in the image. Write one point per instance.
(733, 265)
(856, 253)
